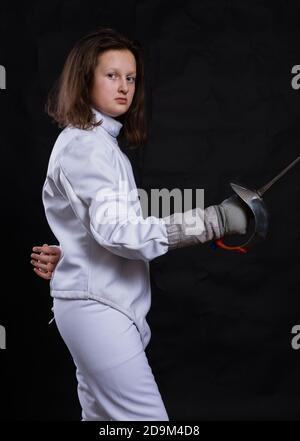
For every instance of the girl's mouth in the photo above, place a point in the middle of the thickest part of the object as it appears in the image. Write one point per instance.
(121, 100)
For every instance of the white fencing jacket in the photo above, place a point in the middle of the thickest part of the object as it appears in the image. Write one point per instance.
(106, 243)
(92, 207)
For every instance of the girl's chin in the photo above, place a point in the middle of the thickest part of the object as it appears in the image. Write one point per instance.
(113, 111)
(118, 111)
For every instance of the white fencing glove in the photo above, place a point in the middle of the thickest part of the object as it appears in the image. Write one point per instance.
(198, 226)
(237, 215)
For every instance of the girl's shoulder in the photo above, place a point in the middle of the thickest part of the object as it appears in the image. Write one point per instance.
(73, 138)
(75, 148)
(81, 144)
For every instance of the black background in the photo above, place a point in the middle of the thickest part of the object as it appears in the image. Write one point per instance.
(221, 108)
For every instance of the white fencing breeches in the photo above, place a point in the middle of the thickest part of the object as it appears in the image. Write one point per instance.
(115, 381)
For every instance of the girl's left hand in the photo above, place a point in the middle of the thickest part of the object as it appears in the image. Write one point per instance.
(44, 259)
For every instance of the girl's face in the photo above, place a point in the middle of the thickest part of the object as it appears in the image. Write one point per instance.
(114, 77)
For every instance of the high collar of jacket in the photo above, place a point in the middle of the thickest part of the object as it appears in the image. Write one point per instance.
(110, 124)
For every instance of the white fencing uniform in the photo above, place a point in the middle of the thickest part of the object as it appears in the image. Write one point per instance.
(115, 381)
(88, 194)
(101, 284)
(104, 262)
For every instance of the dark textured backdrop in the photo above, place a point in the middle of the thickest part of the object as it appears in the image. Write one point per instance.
(220, 108)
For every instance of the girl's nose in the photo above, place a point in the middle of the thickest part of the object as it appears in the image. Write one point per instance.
(124, 85)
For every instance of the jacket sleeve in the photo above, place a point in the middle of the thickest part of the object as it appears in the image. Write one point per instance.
(102, 202)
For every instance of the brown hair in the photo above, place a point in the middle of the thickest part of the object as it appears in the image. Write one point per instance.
(69, 101)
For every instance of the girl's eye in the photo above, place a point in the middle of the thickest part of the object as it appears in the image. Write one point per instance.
(131, 79)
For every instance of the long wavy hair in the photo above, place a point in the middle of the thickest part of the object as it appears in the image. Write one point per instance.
(68, 101)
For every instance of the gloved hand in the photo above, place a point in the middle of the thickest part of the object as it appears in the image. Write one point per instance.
(237, 215)
(230, 217)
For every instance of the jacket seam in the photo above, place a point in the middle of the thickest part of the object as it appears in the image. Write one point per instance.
(89, 295)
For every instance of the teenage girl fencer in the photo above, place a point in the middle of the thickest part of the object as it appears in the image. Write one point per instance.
(100, 271)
